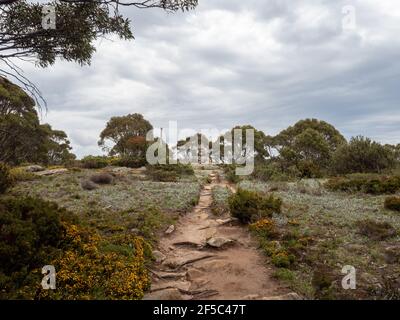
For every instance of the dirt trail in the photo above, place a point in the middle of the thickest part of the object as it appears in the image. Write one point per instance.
(194, 265)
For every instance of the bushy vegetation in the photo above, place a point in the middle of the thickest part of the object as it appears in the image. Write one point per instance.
(6, 178)
(272, 171)
(129, 162)
(376, 230)
(20, 174)
(307, 146)
(102, 178)
(315, 149)
(283, 246)
(371, 184)
(35, 233)
(95, 162)
(392, 203)
(22, 137)
(362, 155)
(265, 228)
(169, 172)
(315, 236)
(230, 173)
(250, 206)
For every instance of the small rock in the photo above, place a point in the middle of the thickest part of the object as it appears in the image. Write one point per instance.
(181, 285)
(33, 168)
(170, 229)
(88, 185)
(121, 170)
(226, 221)
(135, 231)
(167, 294)
(51, 172)
(175, 263)
(194, 274)
(219, 242)
(170, 275)
(159, 256)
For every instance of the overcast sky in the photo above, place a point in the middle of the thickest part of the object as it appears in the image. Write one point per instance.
(268, 63)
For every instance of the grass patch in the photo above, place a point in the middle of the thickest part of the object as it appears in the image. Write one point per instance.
(323, 230)
(220, 196)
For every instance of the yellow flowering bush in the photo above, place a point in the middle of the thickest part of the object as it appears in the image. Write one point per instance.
(264, 228)
(36, 233)
(282, 259)
(87, 272)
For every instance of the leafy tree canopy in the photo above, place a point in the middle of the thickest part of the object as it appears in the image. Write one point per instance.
(307, 146)
(78, 24)
(22, 137)
(127, 134)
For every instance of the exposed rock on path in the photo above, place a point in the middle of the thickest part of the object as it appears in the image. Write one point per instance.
(209, 257)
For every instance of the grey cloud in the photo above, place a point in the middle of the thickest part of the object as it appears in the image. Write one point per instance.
(229, 62)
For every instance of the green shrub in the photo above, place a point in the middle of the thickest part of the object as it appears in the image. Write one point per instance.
(265, 229)
(31, 232)
(309, 169)
(282, 259)
(376, 230)
(392, 203)
(323, 282)
(20, 174)
(130, 162)
(230, 173)
(162, 176)
(371, 184)
(35, 233)
(272, 172)
(6, 178)
(102, 178)
(284, 274)
(250, 206)
(94, 162)
(169, 172)
(362, 155)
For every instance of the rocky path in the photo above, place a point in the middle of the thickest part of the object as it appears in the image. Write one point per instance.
(209, 257)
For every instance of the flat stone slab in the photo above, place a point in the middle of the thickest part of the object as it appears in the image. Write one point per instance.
(182, 286)
(170, 229)
(219, 242)
(159, 256)
(169, 275)
(180, 262)
(222, 222)
(33, 168)
(167, 294)
(51, 172)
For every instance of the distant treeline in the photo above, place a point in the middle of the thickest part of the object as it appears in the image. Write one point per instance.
(308, 149)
